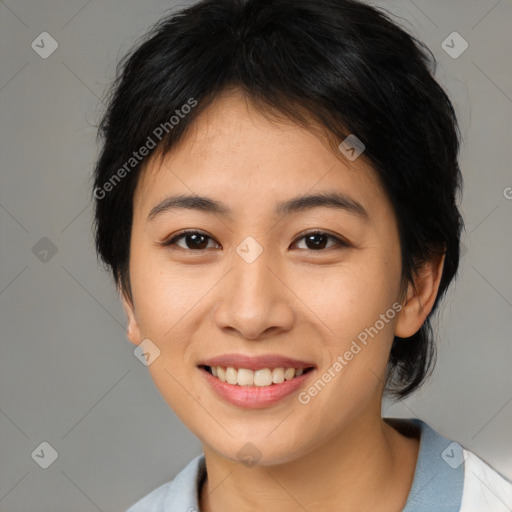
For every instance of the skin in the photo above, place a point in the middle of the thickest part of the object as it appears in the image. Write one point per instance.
(336, 452)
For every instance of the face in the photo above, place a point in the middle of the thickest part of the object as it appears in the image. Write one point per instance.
(266, 280)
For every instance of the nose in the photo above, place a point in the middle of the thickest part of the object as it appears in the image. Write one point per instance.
(256, 301)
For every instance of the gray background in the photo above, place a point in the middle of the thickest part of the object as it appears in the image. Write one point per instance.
(69, 376)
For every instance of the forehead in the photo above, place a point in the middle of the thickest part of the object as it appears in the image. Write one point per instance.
(236, 152)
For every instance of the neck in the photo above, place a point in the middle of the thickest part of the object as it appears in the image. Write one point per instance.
(367, 465)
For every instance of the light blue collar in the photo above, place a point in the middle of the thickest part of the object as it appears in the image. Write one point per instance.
(439, 476)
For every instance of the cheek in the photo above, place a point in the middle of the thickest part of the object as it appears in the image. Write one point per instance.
(164, 294)
(350, 305)
(350, 297)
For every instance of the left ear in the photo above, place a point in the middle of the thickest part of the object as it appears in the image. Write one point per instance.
(419, 302)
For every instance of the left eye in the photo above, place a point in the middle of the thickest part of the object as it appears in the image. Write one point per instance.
(196, 240)
(318, 240)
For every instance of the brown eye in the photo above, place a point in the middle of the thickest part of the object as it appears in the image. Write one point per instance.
(318, 240)
(192, 240)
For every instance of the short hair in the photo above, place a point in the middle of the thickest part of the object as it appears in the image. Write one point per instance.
(339, 64)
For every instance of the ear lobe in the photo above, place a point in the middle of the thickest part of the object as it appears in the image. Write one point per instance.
(132, 330)
(419, 301)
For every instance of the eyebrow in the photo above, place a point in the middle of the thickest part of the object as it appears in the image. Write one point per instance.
(334, 200)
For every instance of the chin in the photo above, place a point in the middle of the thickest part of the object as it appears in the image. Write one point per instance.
(260, 451)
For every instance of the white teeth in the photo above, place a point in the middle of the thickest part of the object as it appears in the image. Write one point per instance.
(278, 375)
(245, 377)
(289, 373)
(260, 378)
(231, 375)
(263, 377)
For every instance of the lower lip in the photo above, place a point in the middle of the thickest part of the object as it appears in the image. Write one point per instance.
(255, 397)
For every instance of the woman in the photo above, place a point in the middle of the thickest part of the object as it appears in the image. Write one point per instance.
(277, 200)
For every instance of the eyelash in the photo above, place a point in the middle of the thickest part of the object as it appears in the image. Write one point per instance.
(340, 243)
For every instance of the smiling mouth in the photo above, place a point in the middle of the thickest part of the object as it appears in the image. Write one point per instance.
(264, 377)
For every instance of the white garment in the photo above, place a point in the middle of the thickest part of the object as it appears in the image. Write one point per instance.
(484, 488)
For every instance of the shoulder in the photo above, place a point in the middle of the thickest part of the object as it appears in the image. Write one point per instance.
(484, 487)
(451, 478)
(178, 494)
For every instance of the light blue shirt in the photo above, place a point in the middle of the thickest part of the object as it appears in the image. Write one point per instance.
(446, 479)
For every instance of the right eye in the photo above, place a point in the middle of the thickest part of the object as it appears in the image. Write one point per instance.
(193, 240)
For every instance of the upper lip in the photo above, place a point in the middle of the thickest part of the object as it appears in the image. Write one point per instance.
(256, 362)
